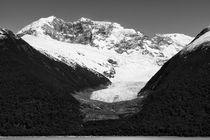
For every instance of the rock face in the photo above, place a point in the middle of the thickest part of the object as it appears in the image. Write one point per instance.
(83, 31)
(36, 90)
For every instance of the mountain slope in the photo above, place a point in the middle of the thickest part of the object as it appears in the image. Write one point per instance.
(35, 93)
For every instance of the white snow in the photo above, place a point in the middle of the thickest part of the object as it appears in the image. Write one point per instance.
(136, 67)
(83, 55)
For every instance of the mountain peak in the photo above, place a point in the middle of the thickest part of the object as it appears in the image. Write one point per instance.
(179, 92)
(38, 27)
(47, 20)
(51, 17)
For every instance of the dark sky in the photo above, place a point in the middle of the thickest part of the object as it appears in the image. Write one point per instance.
(148, 16)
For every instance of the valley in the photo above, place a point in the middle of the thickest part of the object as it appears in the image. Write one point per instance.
(115, 108)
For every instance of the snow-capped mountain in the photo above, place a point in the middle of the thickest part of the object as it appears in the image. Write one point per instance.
(118, 53)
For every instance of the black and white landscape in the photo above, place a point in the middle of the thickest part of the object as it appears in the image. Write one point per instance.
(98, 78)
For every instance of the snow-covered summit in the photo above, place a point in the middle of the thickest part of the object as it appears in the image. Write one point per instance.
(106, 35)
(41, 26)
(84, 31)
(84, 19)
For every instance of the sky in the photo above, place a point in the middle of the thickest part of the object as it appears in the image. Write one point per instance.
(148, 16)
